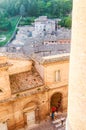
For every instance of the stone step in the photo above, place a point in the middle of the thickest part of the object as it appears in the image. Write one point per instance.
(63, 119)
(61, 128)
(58, 125)
(56, 121)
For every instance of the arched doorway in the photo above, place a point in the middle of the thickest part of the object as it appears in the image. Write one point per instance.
(30, 114)
(56, 101)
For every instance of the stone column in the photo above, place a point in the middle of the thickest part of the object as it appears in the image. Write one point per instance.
(77, 79)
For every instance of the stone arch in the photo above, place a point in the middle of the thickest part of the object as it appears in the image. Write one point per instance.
(29, 101)
(29, 106)
(33, 101)
(56, 101)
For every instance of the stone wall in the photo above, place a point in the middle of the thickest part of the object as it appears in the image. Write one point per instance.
(52, 68)
(40, 68)
(48, 71)
(5, 91)
(19, 66)
(13, 112)
(3, 59)
(64, 91)
(77, 77)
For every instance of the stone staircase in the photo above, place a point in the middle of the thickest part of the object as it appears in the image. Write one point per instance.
(60, 122)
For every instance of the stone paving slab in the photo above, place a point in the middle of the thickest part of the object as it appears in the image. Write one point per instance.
(47, 125)
(44, 126)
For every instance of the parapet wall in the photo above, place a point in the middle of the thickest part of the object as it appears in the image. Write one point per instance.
(19, 66)
(3, 59)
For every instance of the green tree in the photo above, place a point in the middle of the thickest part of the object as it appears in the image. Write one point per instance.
(35, 8)
(22, 10)
(66, 22)
(5, 24)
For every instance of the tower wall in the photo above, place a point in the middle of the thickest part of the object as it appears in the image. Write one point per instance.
(77, 79)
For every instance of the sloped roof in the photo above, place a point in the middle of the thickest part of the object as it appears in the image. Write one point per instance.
(41, 19)
(64, 35)
(51, 59)
(50, 38)
(25, 81)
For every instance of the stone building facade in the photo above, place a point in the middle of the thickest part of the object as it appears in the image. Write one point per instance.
(62, 37)
(27, 88)
(43, 25)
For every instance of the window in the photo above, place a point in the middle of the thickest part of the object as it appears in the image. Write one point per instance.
(57, 76)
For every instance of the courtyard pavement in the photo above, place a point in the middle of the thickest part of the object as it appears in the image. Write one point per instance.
(48, 124)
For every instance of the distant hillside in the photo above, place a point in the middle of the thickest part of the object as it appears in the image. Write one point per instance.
(51, 8)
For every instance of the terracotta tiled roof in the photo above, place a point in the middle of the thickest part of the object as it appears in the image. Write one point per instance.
(24, 81)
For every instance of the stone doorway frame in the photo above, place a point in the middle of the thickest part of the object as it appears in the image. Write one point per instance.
(31, 106)
(61, 110)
